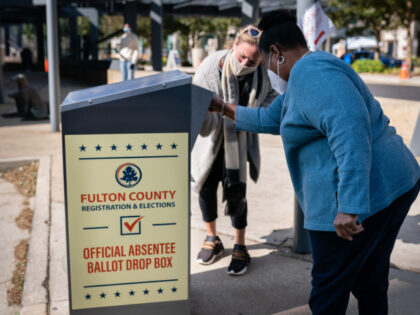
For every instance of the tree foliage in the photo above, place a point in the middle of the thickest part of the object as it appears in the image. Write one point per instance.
(109, 24)
(198, 27)
(406, 11)
(376, 15)
(201, 27)
(361, 16)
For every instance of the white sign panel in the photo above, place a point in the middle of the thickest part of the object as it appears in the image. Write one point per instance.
(316, 26)
(247, 9)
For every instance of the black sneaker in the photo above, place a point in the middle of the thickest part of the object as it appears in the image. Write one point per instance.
(210, 251)
(239, 263)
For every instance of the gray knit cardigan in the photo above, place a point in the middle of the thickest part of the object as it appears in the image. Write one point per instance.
(209, 140)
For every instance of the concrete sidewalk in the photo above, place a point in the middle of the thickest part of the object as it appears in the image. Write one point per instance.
(390, 79)
(278, 281)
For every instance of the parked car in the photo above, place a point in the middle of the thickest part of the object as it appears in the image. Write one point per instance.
(390, 61)
(367, 54)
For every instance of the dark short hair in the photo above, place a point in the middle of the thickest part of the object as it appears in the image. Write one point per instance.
(280, 29)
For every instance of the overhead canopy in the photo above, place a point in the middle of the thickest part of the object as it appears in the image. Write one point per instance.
(24, 11)
(20, 11)
(228, 8)
(358, 42)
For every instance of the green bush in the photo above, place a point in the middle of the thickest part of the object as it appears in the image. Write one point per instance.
(393, 70)
(368, 65)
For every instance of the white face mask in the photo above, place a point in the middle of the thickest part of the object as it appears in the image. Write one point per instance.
(277, 83)
(239, 69)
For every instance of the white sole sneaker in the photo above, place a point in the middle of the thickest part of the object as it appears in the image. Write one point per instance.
(200, 261)
(240, 273)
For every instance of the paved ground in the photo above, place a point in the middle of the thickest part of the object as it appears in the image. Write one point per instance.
(278, 281)
(11, 203)
(390, 79)
(400, 92)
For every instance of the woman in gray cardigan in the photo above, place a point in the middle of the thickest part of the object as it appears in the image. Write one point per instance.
(220, 152)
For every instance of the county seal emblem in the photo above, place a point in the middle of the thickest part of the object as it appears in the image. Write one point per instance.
(128, 175)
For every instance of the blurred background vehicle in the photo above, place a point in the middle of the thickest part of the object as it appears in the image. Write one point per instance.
(388, 60)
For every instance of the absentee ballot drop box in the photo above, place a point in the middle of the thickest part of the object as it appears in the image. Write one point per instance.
(126, 151)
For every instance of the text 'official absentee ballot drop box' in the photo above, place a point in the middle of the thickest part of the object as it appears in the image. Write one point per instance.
(126, 150)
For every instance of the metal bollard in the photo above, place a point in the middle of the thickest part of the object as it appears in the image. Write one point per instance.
(301, 243)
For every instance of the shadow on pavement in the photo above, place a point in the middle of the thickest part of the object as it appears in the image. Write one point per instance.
(273, 284)
(38, 80)
(279, 237)
(411, 93)
(404, 292)
(410, 230)
(8, 117)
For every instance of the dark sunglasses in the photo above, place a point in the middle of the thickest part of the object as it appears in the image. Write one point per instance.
(252, 31)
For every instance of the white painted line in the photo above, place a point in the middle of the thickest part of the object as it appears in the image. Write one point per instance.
(247, 9)
(156, 17)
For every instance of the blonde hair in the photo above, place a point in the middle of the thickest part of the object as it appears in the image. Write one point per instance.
(243, 36)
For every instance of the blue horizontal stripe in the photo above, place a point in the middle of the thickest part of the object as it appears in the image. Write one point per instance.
(155, 224)
(128, 283)
(95, 228)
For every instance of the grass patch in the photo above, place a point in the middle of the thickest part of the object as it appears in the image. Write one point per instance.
(24, 179)
(14, 294)
(24, 219)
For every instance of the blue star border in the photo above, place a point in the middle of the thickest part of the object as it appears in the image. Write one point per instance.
(128, 147)
(118, 294)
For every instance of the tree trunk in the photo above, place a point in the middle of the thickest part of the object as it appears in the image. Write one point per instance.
(409, 48)
(195, 40)
(378, 40)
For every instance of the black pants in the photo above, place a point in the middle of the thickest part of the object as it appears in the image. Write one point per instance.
(360, 266)
(208, 195)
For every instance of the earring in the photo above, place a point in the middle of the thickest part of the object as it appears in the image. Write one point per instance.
(281, 61)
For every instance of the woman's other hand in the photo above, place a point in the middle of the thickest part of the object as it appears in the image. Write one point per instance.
(346, 225)
(219, 106)
(216, 104)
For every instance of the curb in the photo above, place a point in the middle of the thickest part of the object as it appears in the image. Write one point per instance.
(35, 292)
(389, 80)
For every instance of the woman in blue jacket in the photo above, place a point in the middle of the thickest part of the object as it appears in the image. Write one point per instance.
(354, 177)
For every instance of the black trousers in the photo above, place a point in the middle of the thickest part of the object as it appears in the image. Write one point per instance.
(208, 195)
(360, 266)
